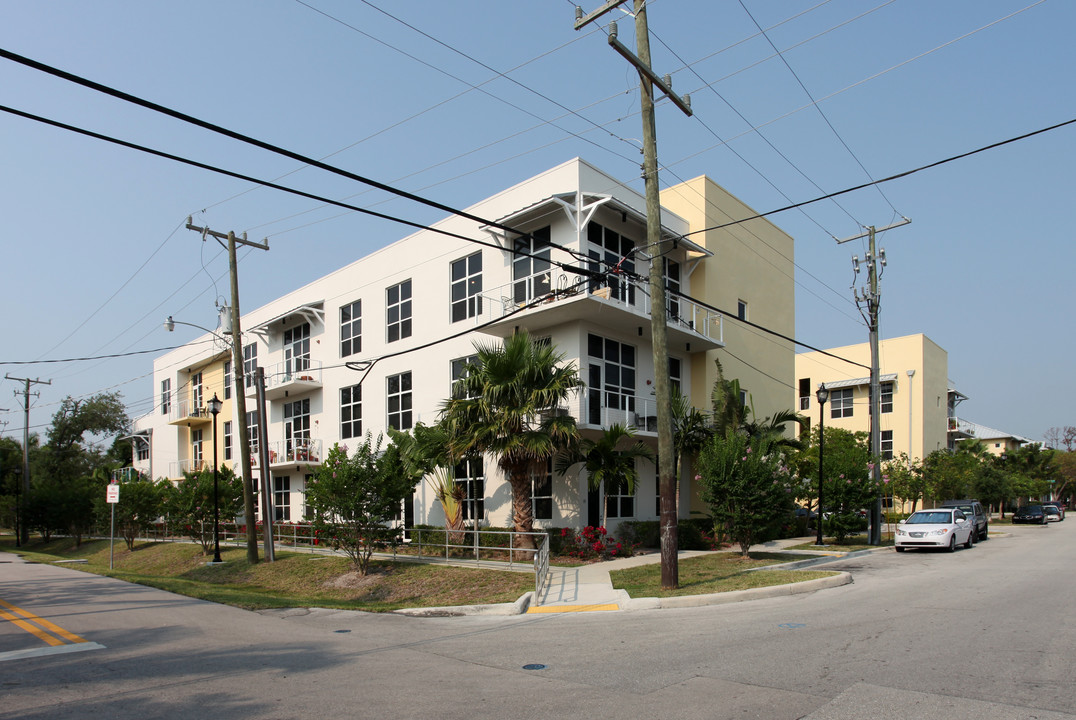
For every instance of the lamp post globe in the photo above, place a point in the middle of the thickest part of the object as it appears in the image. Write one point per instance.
(822, 395)
(214, 405)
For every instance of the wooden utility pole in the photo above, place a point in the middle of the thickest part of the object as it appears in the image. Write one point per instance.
(648, 80)
(24, 531)
(239, 375)
(872, 298)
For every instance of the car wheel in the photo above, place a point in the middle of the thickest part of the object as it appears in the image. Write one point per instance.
(984, 534)
(970, 540)
(952, 543)
(898, 548)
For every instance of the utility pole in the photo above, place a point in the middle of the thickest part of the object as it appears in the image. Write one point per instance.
(872, 298)
(240, 390)
(24, 531)
(648, 80)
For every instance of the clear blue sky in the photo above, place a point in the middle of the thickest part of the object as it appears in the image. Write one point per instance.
(458, 100)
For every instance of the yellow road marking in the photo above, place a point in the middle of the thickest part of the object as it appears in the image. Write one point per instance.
(44, 626)
(572, 608)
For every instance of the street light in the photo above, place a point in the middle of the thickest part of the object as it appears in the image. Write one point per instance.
(822, 395)
(213, 406)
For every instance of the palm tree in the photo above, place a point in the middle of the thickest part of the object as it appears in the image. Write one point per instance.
(606, 462)
(508, 404)
(691, 429)
(426, 453)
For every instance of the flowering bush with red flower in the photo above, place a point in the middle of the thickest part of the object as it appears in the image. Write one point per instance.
(593, 543)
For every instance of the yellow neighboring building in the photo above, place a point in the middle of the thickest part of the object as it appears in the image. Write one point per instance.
(750, 276)
(917, 401)
(183, 398)
(996, 442)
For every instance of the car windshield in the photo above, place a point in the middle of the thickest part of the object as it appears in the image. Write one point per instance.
(1032, 509)
(966, 508)
(933, 517)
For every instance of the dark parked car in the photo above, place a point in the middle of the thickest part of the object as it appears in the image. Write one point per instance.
(974, 512)
(1029, 514)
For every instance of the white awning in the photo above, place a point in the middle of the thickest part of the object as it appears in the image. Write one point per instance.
(856, 382)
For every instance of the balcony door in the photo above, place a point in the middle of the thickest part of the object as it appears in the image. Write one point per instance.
(296, 349)
(610, 382)
(297, 430)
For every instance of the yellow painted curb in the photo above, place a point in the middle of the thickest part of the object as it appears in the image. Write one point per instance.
(571, 608)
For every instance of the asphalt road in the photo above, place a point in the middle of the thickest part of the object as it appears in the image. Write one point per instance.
(980, 633)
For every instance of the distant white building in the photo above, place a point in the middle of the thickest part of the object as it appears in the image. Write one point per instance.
(418, 306)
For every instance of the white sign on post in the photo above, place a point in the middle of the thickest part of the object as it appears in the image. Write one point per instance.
(113, 495)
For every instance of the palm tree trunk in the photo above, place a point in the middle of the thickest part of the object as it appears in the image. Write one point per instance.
(522, 512)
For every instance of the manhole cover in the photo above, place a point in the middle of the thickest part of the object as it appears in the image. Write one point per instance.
(534, 666)
(341, 631)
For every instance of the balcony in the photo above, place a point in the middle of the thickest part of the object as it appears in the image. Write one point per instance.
(186, 412)
(177, 469)
(595, 409)
(623, 308)
(291, 377)
(284, 453)
(125, 474)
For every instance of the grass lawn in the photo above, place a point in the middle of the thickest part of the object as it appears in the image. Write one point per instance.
(294, 580)
(719, 572)
(850, 544)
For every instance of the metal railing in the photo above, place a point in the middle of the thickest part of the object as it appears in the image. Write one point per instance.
(177, 468)
(293, 451)
(186, 409)
(292, 371)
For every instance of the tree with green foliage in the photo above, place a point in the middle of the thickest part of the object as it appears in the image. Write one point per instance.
(847, 488)
(188, 505)
(951, 475)
(691, 430)
(141, 505)
(426, 453)
(903, 477)
(509, 405)
(992, 485)
(354, 498)
(746, 483)
(609, 462)
(74, 440)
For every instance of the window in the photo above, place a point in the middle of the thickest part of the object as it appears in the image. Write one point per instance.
(351, 411)
(672, 288)
(399, 401)
(250, 362)
(674, 373)
(459, 371)
(227, 380)
(618, 503)
(166, 396)
(252, 432)
(143, 448)
(887, 444)
(530, 271)
(741, 309)
(308, 512)
(610, 252)
(398, 311)
(470, 477)
(297, 429)
(351, 329)
(611, 381)
(196, 450)
(887, 397)
(840, 402)
(297, 349)
(805, 393)
(466, 287)
(282, 498)
(196, 393)
(227, 439)
(542, 493)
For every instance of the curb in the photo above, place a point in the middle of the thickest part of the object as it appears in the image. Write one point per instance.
(519, 607)
(734, 596)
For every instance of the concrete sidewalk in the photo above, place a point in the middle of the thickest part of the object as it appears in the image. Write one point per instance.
(588, 588)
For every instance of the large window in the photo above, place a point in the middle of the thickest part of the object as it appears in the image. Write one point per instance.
(142, 448)
(250, 362)
(618, 502)
(542, 493)
(166, 396)
(612, 253)
(459, 371)
(840, 402)
(297, 429)
(399, 401)
(227, 379)
(466, 287)
(530, 267)
(611, 382)
(196, 394)
(282, 498)
(887, 445)
(398, 311)
(887, 397)
(196, 450)
(351, 329)
(805, 393)
(351, 411)
(297, 349)
(252, 432)
(675, 374)
(470, 476)
(672, 286)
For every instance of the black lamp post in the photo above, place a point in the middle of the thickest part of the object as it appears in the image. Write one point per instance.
(823, 395)
(213, 406)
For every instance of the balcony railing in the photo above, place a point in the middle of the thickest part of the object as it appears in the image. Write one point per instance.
(178, 468)
(294, 375)
(187, 411)
(124, 474)
(291, 452)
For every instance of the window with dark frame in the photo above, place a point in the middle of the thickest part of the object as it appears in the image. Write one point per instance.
(351, 411)
(887, 397)
(351, 329)
(531, 267)
(398, 311)
(805, 393)
(887, 445)
(465, 288)
(250, 362)
(196, 394)
(612, 254)
(618, 502)
(297, 349)
(470, 476)
(542, 493)
(196, 450)
(399, 401)
(227, 439)
(282, 498)
(166, 396)
(459, 371)
(228, 380)
(840, 403)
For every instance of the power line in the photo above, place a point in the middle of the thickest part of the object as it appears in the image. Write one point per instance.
(92, 357)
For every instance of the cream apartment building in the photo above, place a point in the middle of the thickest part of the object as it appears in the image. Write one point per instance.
(575, 274)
